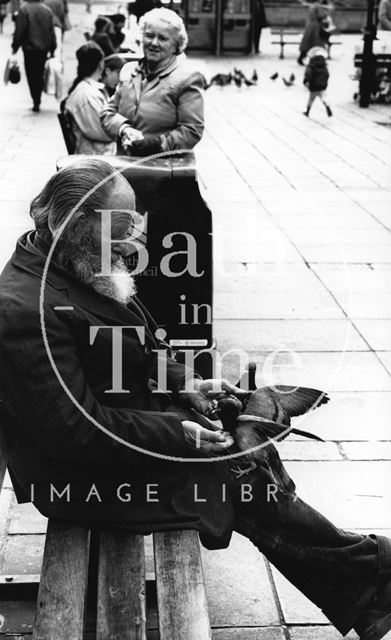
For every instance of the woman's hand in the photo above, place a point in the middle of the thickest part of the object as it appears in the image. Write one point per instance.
(204, 394)
(148, 146)
(206, 441)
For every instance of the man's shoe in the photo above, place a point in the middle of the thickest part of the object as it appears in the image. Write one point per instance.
(375, 621)
(35, 108)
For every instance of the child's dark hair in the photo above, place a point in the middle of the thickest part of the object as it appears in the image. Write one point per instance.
(114, 62)
(88, 56)
(102, 24)
(117, 18)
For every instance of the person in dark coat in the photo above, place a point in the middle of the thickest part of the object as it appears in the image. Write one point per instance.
(53, 435)
(316, 78)
(116, 34)
(58, 9)
(140, 7)
(101, 35)
(88, 440)
(34, 32)
(260, 22)
(314, 34)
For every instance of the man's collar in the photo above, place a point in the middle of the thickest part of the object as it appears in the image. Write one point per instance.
(31, 256)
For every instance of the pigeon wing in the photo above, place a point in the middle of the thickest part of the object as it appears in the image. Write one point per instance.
(270, 429)
(261, 403)
(296, 401)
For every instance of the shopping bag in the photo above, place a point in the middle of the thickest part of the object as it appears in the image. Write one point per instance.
(52, 78)
(11, 71)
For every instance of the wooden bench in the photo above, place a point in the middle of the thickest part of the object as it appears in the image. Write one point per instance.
(120, 583)
(286, 32)
(378, 79)
(381, 60)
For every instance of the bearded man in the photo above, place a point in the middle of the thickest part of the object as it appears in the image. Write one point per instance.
(91, 439)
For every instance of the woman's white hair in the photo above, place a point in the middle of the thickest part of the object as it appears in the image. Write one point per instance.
(166, 15)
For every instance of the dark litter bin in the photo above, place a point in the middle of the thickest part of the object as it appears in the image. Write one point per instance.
(176, 286)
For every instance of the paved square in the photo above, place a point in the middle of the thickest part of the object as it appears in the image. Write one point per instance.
(302, 242)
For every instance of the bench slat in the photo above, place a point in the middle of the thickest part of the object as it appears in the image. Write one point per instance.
(63, 585)
(3, 459)
(121, 587)
(3, 466)
(182, 604)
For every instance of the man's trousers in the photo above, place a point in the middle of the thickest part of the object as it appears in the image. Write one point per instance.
(34, 63)
(335, 569)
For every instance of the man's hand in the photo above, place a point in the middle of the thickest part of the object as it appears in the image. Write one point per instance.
(202, 395)
(205, 440)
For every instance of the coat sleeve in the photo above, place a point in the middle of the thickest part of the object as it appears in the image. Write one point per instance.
(61, 414)
(308, 73)
(53, 39)
(177, 372)
(86, 115)
(110, 119)
(190, 115)
(20, 30)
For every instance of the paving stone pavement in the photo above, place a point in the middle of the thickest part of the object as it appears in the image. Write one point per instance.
(302, 241)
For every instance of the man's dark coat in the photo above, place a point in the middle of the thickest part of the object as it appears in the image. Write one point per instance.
(52, 443)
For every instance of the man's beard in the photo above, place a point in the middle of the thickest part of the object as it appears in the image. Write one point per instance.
(86, 264)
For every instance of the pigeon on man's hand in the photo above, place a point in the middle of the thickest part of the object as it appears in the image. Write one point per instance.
(266, 415)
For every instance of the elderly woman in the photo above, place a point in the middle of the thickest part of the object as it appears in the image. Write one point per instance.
(86, 98)
(159, 105)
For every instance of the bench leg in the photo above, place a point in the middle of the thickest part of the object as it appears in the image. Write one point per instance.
(282, 50)
(63, 584)
(182, 604)
(121, 587)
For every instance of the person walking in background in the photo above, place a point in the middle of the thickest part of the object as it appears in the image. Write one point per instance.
(260, 22)
(316, 32)
(34, 32)
(3, 12)
(141, 7)
(86, 98)
(59, 10)
(384, 15)
(116, 34)
(316, 78)
(101, 36)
